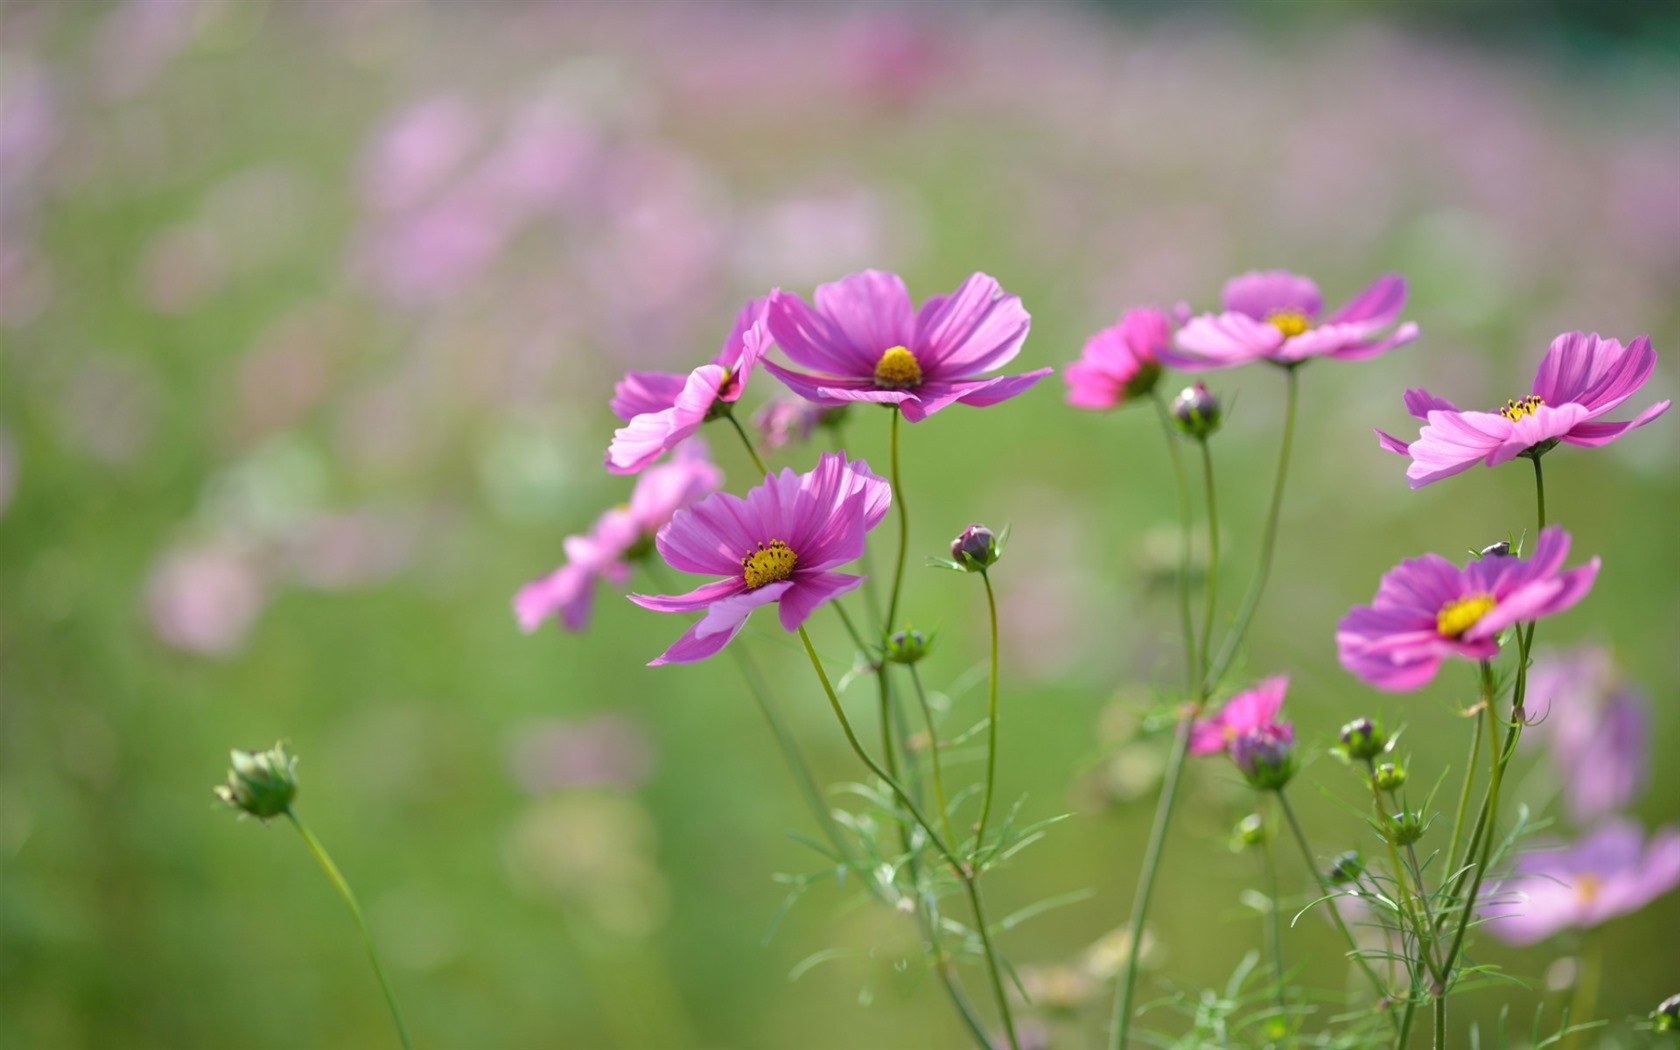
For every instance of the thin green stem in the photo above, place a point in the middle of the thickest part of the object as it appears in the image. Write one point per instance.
(1274, 915)
(991, 719)
(992, 968)
(1122, 1020)
(851, 629)
(1441, 1022)
(1583, 1002)
(1268, 538)
(1496, 764)
(1539, 490)
(1410, 909)
(747, 442)
(1170, 433)
(1325, 888)
(343, 887)
(1464, 798)
(1212, 595)
(1403, 1037)
(933, 753)
(903, 529)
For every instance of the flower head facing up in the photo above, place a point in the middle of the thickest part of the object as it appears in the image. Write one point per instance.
(1427, 609)
(1121, 363)
(618, 536)
(660, 409)
(1611, 872)
(261, 784)
(781, 544)
(1581, 378)
(1597, 728)
(1273, 315)
(864, 341)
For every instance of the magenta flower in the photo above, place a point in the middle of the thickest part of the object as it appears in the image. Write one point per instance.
(1121, 363)
(1611, 872)
(1597, 728)
(660, 409)
(1426, 609)
(1243, 713)
(1272, 315)
(621, 533)
(867, 343)
(1581, 378)
(780, 544)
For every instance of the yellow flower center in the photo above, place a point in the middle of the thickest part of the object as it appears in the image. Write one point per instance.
(771, 562)
(1515, 410)
(1460, 614)
(1586, 888)
(898, 370)
(1290, 322)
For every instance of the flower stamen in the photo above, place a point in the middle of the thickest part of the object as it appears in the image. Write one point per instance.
(1515, 410)
(898, 370)
(1586, 888)
(769, 563)
(1290, 322)
(1461, 614)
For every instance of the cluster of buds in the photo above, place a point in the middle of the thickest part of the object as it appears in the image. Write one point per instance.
(261, 783)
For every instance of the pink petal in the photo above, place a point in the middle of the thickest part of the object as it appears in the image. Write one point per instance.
(1379, 304)
(639, 393)
(1221, 341)
(975, 329)
(1261, 293)
(650, 435)
(810, 591)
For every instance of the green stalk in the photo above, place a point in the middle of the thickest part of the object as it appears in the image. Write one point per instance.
(1497, 764)
(1170, 433)
(933, 753)
(1274, 925)
(1213, 564)
(903, 530)
(747, 441)
(991, 719)
(343, 887)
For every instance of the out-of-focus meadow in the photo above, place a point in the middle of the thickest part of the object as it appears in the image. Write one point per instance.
(310, 313)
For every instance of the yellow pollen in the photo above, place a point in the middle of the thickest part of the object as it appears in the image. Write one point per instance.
(898, 370)
(1461, 614)
(1586, 888)
(771, 562)
(1290, 322)
(1515, 410)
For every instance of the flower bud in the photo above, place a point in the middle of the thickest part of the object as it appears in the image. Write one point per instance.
(1390, 777)
(1266, 756)
(1345, 868)
(1496, 550)
(1196, 411)
(906, 647)
(1406, 827)
(1666, 1017)
(976, 549)
(1363, 739)
(261, 783)
(1251, 830)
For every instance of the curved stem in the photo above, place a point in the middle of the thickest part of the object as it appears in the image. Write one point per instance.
(1451, 869)
(903, 530)
(1213, 562)
(343, 887)
(747, 441)
(1170, 433)
(1268, 539)
(991, 719)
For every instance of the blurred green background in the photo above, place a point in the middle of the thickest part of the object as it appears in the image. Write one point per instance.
(310, 312)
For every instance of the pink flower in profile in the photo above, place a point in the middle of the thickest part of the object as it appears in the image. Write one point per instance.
(621, 533)
(867, 343)
(1241, 714)
(1426, 609)
(788, 420)
(1581, 378)
(1611, 872)
(660, 409)
(1597, 727)
(1273, 315)
(781, 543)
(1121, 363)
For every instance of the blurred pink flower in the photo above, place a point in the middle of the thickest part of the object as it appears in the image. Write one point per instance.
(609, 750)
(1581, 378)
(412, 157)
(782, 543)
(660, 409)
(1245, 712)
(618, 534)
(1120, 363)
(867, 344)
(204, 599)
(1597, 727)
(1611, 872)
(1272, 315)
(1426, 610)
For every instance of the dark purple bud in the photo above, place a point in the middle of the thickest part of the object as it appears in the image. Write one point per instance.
(1363, 739)
(1196, 411)
(976, 549)
(1266, 756)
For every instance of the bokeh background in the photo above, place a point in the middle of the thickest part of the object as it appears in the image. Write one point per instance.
(310, 312)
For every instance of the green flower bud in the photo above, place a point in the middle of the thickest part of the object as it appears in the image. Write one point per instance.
(1196, 411)
(906, 647)
(261, 783)
(1406, 827)
(976, 549)
(1390, 777)
(1666, 1017)
(1251, 830)
(1345, 868)
(1363, 739)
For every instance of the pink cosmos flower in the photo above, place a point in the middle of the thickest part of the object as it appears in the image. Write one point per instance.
(662, 408)
(781, 543)
(1272, 315)
(1242, 713)
(1426, 610)
(867, 343)
(1581, 378)
(1597, 727)
(568, 593)
(1120, 363)
(1611, 872)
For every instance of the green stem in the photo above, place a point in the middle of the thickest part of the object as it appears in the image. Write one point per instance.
(1122, 1020)
(747, 441)
(1410, 910)
(933, 753)
(1274, 925)
(1170, 433)
(1540, 490)
(1403, 1038)
(1268, 538)
(1589, 963)
(903, 530)
(957, 867)
(1441, 1022)
(1451, 870)
(343, 888)
(1213, 563)
(1496, 764)
(1326, 889)
(991, 719)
